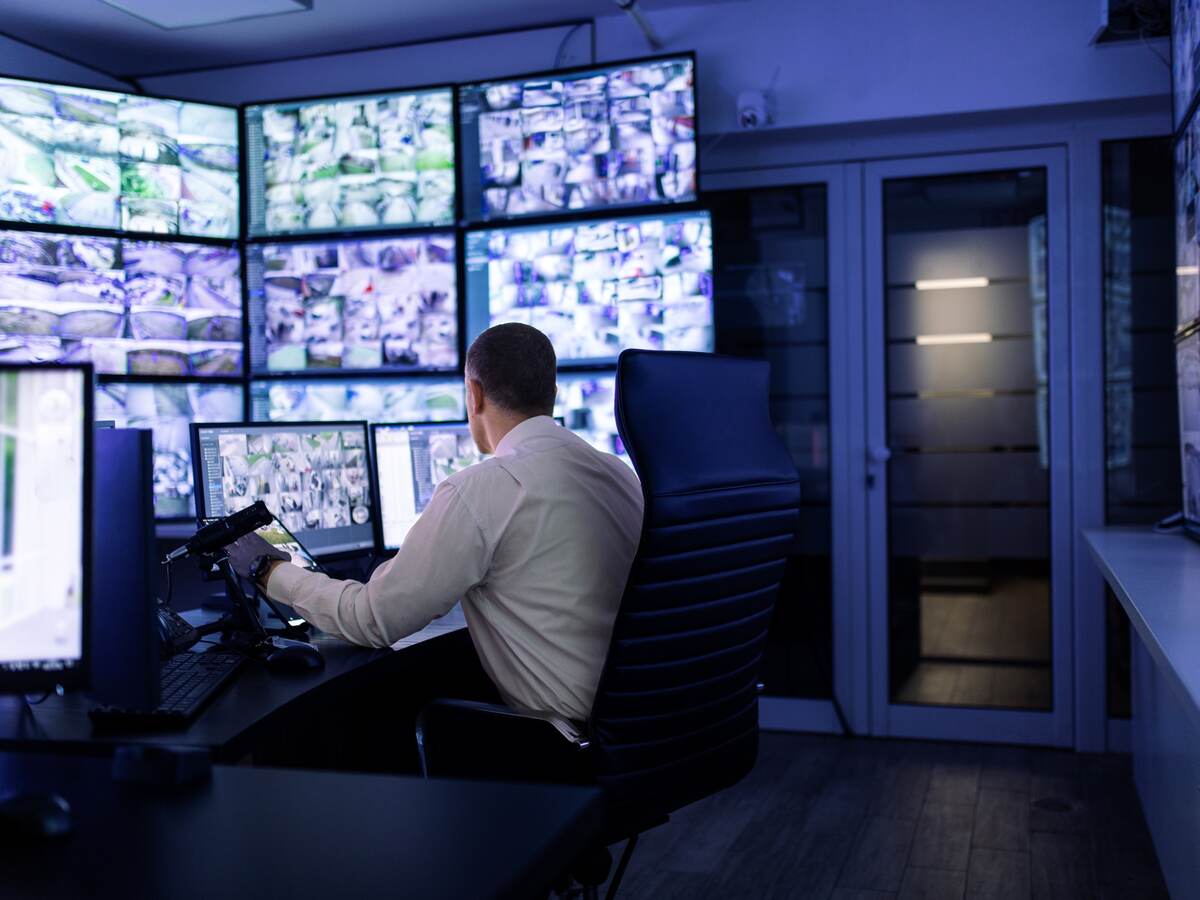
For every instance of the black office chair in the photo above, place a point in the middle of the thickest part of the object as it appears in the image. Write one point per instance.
(675, 717)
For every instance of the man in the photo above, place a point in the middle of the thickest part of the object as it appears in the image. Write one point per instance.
(536, 543)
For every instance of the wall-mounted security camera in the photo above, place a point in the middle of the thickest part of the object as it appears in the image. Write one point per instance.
(752, 110)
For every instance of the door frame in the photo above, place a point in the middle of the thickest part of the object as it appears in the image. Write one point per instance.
(1055, 727)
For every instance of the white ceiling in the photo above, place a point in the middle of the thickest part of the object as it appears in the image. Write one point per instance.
(112, 41)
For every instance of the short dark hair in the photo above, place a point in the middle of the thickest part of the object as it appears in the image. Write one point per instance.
(515, 365)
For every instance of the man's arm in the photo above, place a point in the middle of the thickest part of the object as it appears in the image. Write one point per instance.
(445, 554)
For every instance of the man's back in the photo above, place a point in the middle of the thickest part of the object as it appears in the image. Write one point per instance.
(561, 522)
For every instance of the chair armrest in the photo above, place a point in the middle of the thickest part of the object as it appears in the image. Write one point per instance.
(469, 739)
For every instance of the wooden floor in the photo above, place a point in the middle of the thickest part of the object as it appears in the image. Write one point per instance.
(852, 819)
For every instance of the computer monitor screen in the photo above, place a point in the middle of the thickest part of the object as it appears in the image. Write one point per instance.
(1187, 367)
(410, 462)
(597, 288)
(314, 476)
(603, 137)
(1187, 224)
(586, 405)
(387, 304)
(128, 307)
(376, 400)
(77, 156)
(351, 163)
(1185, 53)
(45, 507)
(167, 410)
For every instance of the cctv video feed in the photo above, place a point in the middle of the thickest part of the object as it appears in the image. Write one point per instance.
(167, 410)
(74, 156)
(128, 307)
(597, 288)
(385, 304)
(380, 400)
(587, 405)
(602, 138)
(315, 479)
(41, 518)
(412, 461)
(351, 163)
(1187, 361)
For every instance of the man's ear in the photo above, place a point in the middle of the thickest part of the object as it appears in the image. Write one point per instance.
(475, 398)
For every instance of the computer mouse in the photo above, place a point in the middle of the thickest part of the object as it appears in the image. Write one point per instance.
(286, 655)
(34, 816)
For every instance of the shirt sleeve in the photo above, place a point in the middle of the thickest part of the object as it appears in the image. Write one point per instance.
(445, 554)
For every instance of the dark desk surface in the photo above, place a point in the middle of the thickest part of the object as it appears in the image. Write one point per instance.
(268, 833)
(229, 725)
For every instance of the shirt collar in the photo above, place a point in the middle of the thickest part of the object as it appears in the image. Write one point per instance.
(530, 428)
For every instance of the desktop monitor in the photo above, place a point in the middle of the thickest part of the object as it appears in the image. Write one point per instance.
(386, 305)
(351, 163)
(375, 400)
(410, 462)
(45, 525)
(597, 287)
(599, 137)
(101, 159)
(314, 476)
(128, 307)
(1187, 368)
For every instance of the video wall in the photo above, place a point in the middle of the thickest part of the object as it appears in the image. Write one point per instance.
(330, 258)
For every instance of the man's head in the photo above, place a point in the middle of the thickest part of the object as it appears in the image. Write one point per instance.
(510, 378)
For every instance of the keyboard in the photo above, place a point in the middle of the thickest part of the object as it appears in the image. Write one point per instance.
(189, 682)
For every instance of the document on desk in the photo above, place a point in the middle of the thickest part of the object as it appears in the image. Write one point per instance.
(451, 621)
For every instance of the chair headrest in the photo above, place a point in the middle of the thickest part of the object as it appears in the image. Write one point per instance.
(698, 421)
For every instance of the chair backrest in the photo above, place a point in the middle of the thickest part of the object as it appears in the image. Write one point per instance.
(676, 713)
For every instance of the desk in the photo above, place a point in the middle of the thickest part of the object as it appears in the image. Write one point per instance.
(257, 703)
(268, 833)
(1156, 578)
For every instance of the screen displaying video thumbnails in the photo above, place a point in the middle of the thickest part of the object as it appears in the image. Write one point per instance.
(597, 288)
(128, 307)
(412, 460)
(365, 305)
(314, 478)
(587, 406)
(1187, 363)
(168, 410)
(377, 400)
(76, 156)
(606, 137)
(343, 164)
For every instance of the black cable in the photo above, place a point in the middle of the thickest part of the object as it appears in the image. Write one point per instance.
(563, 44)
(170, 586)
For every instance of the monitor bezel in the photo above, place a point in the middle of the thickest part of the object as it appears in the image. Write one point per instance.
(344, 233)
(141, 235)
(607, 364)
(77, 675)
(469, 222)
(333, 424)
(378, 499)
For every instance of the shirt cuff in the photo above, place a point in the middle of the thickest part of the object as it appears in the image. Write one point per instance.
(285, 580)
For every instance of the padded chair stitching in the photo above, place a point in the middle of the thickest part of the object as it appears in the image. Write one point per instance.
(696, 632)
(635, 582)
(655, 613)
(726, 489)
(693, 550)
(675, 663)
(694, 685)
(683, 735)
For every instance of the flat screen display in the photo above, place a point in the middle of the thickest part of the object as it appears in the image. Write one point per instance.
(388, 304)
(43, 520)
(76, 156)
(375, 400)
(351, 163)
(410, 462)
(586, 403)
(599, 287)
(128, 307)
(1187, 225)
(610, 136)
(168, 410)
(316, 478)
(1185, 53)
(1187, 367)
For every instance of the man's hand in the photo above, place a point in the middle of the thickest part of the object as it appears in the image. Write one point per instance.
(247, 549)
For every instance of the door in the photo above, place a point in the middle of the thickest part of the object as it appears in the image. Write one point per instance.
(967, 444)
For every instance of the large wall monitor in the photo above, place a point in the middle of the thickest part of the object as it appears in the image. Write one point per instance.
(597, 287)
(315, 477)
(607, 136)
(128, 307)
(351, 163)
(45, 522)
(167, 410)
(374, 400)
(77, 156)
(1185, 52)
(1187, 224)
(388, 304)
(1187, 367)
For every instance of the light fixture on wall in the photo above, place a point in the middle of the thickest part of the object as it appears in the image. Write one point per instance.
(949, 284)
(1187, 270)
(172, 14)
(971, 337)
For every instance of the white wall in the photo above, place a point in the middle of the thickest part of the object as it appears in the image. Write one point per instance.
(21, 61)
